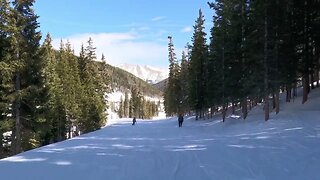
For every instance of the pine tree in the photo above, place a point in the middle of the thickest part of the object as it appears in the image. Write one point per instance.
(198, 68)
(6, 73)
(171, 100)
(126, 105)
(121, 109)
(51, 93)
(27, 77)
(216, 62)
(136, 102)
(183, 79)
(258, 47)
(93, 103)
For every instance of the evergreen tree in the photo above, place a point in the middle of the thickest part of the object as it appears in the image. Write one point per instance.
(93, 107)
(51, 93)
(136, 100)
(121, 109)
(27, 78)
(216, 62)
(198, 68)
(171, 100)
(6, 74)
(126, 105)
(183, 79)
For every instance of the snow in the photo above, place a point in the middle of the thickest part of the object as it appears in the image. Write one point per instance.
(285, 147)
(147, 73)
(113, 99)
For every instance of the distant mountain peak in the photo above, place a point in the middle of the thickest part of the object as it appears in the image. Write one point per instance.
(145, 72)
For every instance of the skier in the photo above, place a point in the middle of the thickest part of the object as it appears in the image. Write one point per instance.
(180, 120)
(134, 121)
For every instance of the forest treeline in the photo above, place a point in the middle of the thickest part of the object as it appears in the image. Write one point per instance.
(256, 50)
(49, 95)
(137, 105)
(44, 93)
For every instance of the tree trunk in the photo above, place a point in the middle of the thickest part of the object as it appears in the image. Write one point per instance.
(305, 78)
(308, 84)
(273, 101)
(59, 137)
(318, 72)
(288, 94)
(277, 101)
(312, 79)
(1, 146)
(266, 107)
(244, 108)
(265, 64)
(16, 136)
(233, 108)
(276, 94)
(317, 77)
(223, 113)
(196, 114)
(305, 84)
(295, 93)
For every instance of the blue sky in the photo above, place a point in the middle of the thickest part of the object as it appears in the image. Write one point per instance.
(126, 31)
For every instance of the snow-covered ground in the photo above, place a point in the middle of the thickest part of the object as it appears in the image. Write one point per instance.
(285, 147)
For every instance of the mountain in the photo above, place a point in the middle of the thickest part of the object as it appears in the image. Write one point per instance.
(123, 81)
(161, 85)
(147, 73)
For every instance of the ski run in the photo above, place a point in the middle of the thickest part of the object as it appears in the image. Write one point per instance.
(285, 147)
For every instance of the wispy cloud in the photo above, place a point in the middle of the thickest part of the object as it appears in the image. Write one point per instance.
(144, 28)
(186, 29)
(121, 48)
(158, 18)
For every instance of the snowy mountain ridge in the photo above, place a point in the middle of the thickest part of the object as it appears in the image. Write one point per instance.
(147, 73)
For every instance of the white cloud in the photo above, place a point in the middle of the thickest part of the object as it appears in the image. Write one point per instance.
(144, 28)
(186, 29)
(120, 48)
(158, 18)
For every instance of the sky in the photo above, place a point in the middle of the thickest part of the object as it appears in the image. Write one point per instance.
(125, 31)
(285, 147)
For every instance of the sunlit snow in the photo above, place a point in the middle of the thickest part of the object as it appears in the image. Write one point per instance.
(285, 147)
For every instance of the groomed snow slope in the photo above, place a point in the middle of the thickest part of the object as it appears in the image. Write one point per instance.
(285, 147)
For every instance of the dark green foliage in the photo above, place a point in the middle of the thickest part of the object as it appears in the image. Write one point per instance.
(137, 106)
(126, 105)
(6, 74)
(41, 94)
(27, 76)
(172, 96)
(198, 73)
(256, 48)
(184, 79)
(92, 76)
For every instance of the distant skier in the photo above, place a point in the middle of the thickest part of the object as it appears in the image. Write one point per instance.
(134, 121)
(180, 120)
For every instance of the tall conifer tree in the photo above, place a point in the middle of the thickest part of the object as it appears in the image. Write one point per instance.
(27, 78)
(198, 68)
